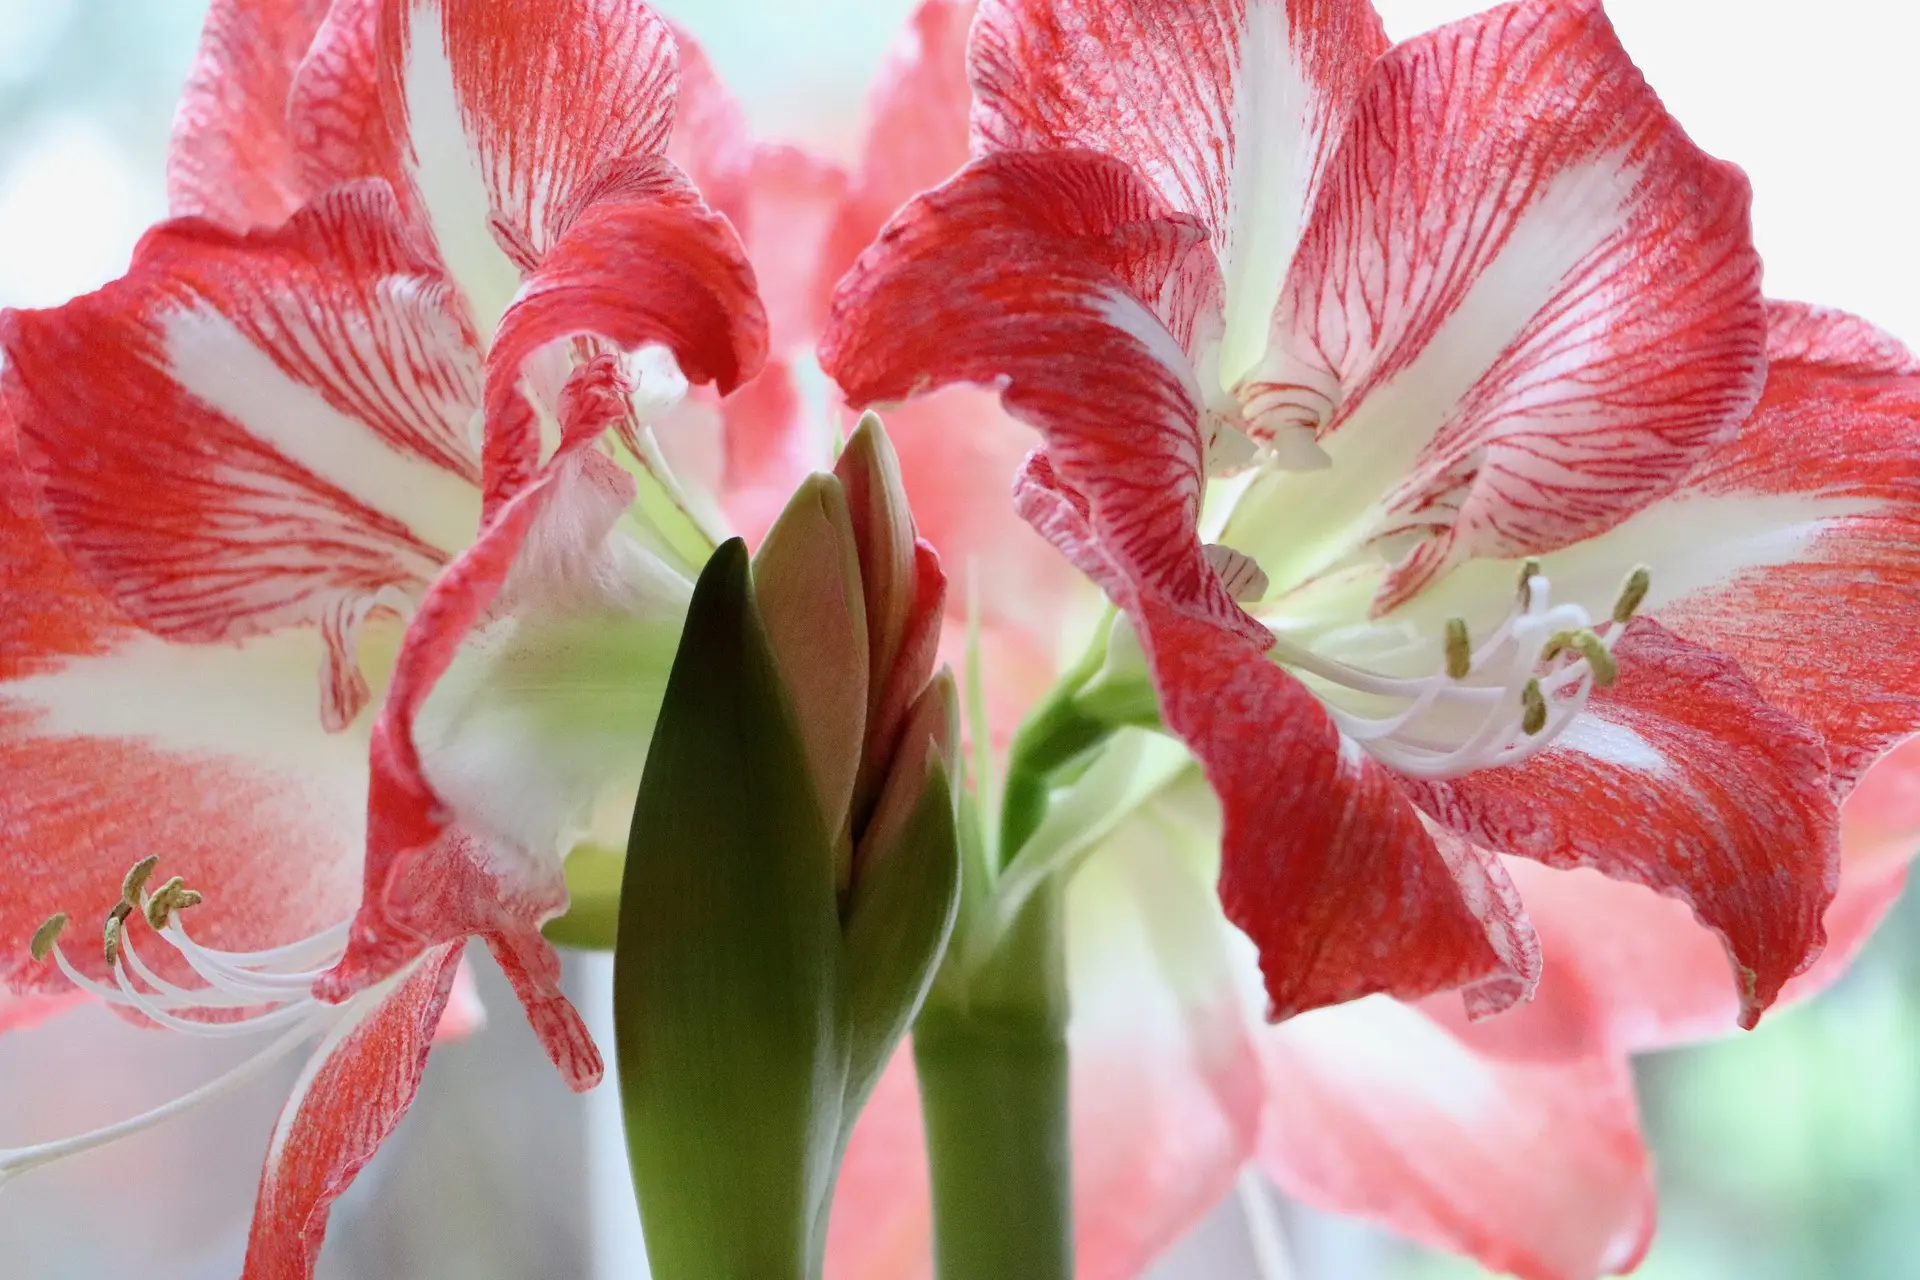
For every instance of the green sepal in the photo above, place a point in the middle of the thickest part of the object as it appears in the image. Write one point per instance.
(897, 928)
(728, 1020)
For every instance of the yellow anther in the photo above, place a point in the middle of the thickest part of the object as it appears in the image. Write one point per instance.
(1528, 572)
(1534, 718)
(116, 924)
(168, 898)
(136, 881)
(46, 936)
(1589, 646)
(1633, 594)
(1459, 649)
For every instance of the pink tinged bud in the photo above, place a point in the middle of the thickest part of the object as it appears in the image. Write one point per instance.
(905, 594)
(807, 577)
(929, 744)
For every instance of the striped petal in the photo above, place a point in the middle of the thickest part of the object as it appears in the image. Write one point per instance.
(1534, 1169)
(118, 744)
(1231, 109)
(1326, 866)
(527, 683)
(1525, 305)
(1685, 779)
(232, 156)
(354, 1091)
(1032, 273)
(272, 432)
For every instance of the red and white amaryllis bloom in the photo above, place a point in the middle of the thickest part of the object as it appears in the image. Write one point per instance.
(1404, 400)
(342, 570)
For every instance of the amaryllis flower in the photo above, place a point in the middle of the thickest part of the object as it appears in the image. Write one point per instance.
(1513, 1139)
(332, 617)
(1397, 396)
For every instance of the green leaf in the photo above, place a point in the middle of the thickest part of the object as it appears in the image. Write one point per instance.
(728, 1027)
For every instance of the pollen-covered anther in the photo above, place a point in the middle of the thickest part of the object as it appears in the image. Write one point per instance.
(136, 882)
(1459, 649)
(1589, 646)
(46, 937)
(1528, 572)
(1633, 594)
(168, 898)
(115, 927)
(1533, 717)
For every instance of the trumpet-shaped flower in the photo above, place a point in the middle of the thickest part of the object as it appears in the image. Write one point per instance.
(1513, 1139)
(342, 566)
(1403, 399)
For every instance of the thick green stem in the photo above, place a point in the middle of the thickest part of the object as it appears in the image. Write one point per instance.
(993, 1093)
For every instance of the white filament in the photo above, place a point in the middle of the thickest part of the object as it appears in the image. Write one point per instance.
(1492, 693)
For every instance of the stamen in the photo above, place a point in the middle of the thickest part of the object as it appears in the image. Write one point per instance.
(136, 881)
(1535, 717)
(1528, 572)
(116, 922)
(1591, 647)
(46, 936)
(1632, 595)
(1459, 649)
(170, 897)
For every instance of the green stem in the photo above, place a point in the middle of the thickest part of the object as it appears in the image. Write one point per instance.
(993, 1094)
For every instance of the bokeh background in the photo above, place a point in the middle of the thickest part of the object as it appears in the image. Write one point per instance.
(1792, 1153)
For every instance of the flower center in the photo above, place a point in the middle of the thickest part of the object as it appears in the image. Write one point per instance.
(1441, 706)
(237, 993)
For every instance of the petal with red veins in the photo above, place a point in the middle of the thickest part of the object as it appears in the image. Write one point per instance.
(118, 744)
(272, 431)
(644, 263)
(1165, 1087)
(1533, 1169)
(1525, 305)
(916, 135)
(1334, 876)
(1029, 272)
(358, 1085)
(1685, 779)
(1629, 971)
(1230, 108)
(1793, 548)
(232, 155)
(503, 113)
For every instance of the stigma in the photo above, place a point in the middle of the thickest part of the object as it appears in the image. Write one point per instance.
(1492, 700)
(222, 995)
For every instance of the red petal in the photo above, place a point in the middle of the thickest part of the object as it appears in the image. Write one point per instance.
(1536, 1169)
(232, 157)
(1685, 779)
(1525, 300)
(272, 431)
(1327, 869)
(643, 261)
(117, 744)
(1027, 272)
(1230, 108)
(1828, 634)
(361, 1081)
(916, 134)
(18, 1012)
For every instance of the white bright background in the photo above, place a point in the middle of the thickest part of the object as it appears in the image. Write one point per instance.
(1818, 102)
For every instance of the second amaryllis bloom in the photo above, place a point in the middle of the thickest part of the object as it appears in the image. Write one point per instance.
(1402, 398)
(355, 467)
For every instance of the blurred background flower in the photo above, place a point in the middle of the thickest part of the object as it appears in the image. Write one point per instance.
(1784, 1154)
